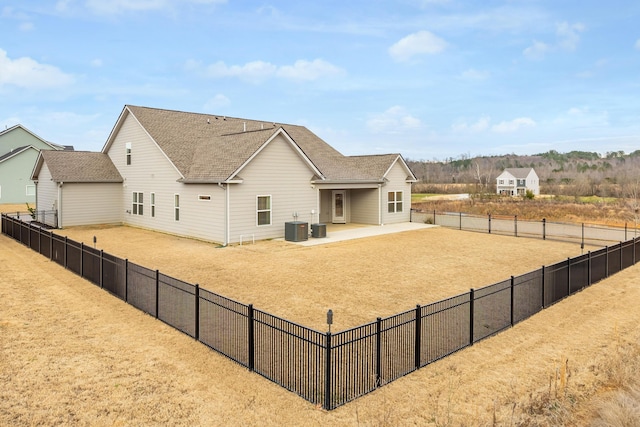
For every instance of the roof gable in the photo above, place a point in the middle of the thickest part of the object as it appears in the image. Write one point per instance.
(21, 136)
(16, 152)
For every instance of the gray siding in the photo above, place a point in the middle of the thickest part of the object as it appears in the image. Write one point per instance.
(90, 203)
(279, 172)
(397, 181)
(151, 172)
(365, 206)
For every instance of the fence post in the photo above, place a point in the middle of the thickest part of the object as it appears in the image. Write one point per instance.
(251, 336)
(606, 261)
(544, 229)
(196, 326)
(471, 298)
(126, 280)
(625, 231)
(101, 267)
(157, 291)
(512, 300)
(460, 214)
(327, 373)
(515, 224)
(568, 276)
(65, 251)
(81, 259)
(582, 243)
(434, 217)
(418, 336)
(589, 269)
(378, 351)
(543, 304)
(489, 223)
(51, 246)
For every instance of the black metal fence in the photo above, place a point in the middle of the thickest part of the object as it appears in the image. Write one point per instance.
(582, 233)
(323, 368)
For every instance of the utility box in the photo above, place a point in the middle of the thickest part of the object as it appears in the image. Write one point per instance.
(318, 230)
(296, 231)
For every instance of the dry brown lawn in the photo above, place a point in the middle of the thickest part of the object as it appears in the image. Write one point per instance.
(71, 354)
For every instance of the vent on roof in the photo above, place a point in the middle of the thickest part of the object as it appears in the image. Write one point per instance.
(244, 126)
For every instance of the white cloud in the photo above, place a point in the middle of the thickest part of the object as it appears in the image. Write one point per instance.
(513, 125)
(569, 35)
(111, 7)
(638, 44)
(259, 71)
(309, 70)
(473, 74)
(480, 125)
(422, 42)
(96, 63)
(216, 102)
(568, 38)
(395, 120)
(255, 71)
(537, 50)
(28, 73)
(26, 26)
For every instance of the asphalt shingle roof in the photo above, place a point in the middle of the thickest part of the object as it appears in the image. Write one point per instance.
(80, 166)
(207, 147)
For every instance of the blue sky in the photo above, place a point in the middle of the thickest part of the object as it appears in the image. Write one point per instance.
(430, 79)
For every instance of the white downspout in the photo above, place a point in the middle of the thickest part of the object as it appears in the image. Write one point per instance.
(380, 204)
(226, 212)
(60, 204)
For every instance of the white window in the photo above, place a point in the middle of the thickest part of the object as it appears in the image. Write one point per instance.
(137, 206)
(394, 201)
(263, 210)
(510, 182)
(128, 150)
(502, 181)
(176, 206)
(31, 190)
(153, 205)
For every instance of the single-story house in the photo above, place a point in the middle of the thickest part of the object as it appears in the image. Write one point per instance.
(516, 182)
(19, 148)
(220, 178)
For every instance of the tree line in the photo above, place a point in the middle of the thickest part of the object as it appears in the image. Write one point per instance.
(576, 173)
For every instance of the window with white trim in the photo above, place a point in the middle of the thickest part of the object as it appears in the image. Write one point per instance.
(176, 207)
(394, 201)
(137, 203)
(128, 150)
(263, 210)
(153, 205)
(502, 181)
(31, 190)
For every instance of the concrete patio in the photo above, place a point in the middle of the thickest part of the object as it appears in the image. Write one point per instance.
(340, 232)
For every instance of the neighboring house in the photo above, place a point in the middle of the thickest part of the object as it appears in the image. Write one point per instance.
(224, 179)
(516, 182)
(19, 148)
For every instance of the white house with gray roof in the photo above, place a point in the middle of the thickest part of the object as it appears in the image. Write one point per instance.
(516, 182)
(221, 179)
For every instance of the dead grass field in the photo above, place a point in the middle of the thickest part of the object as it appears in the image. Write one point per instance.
(71, 354)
